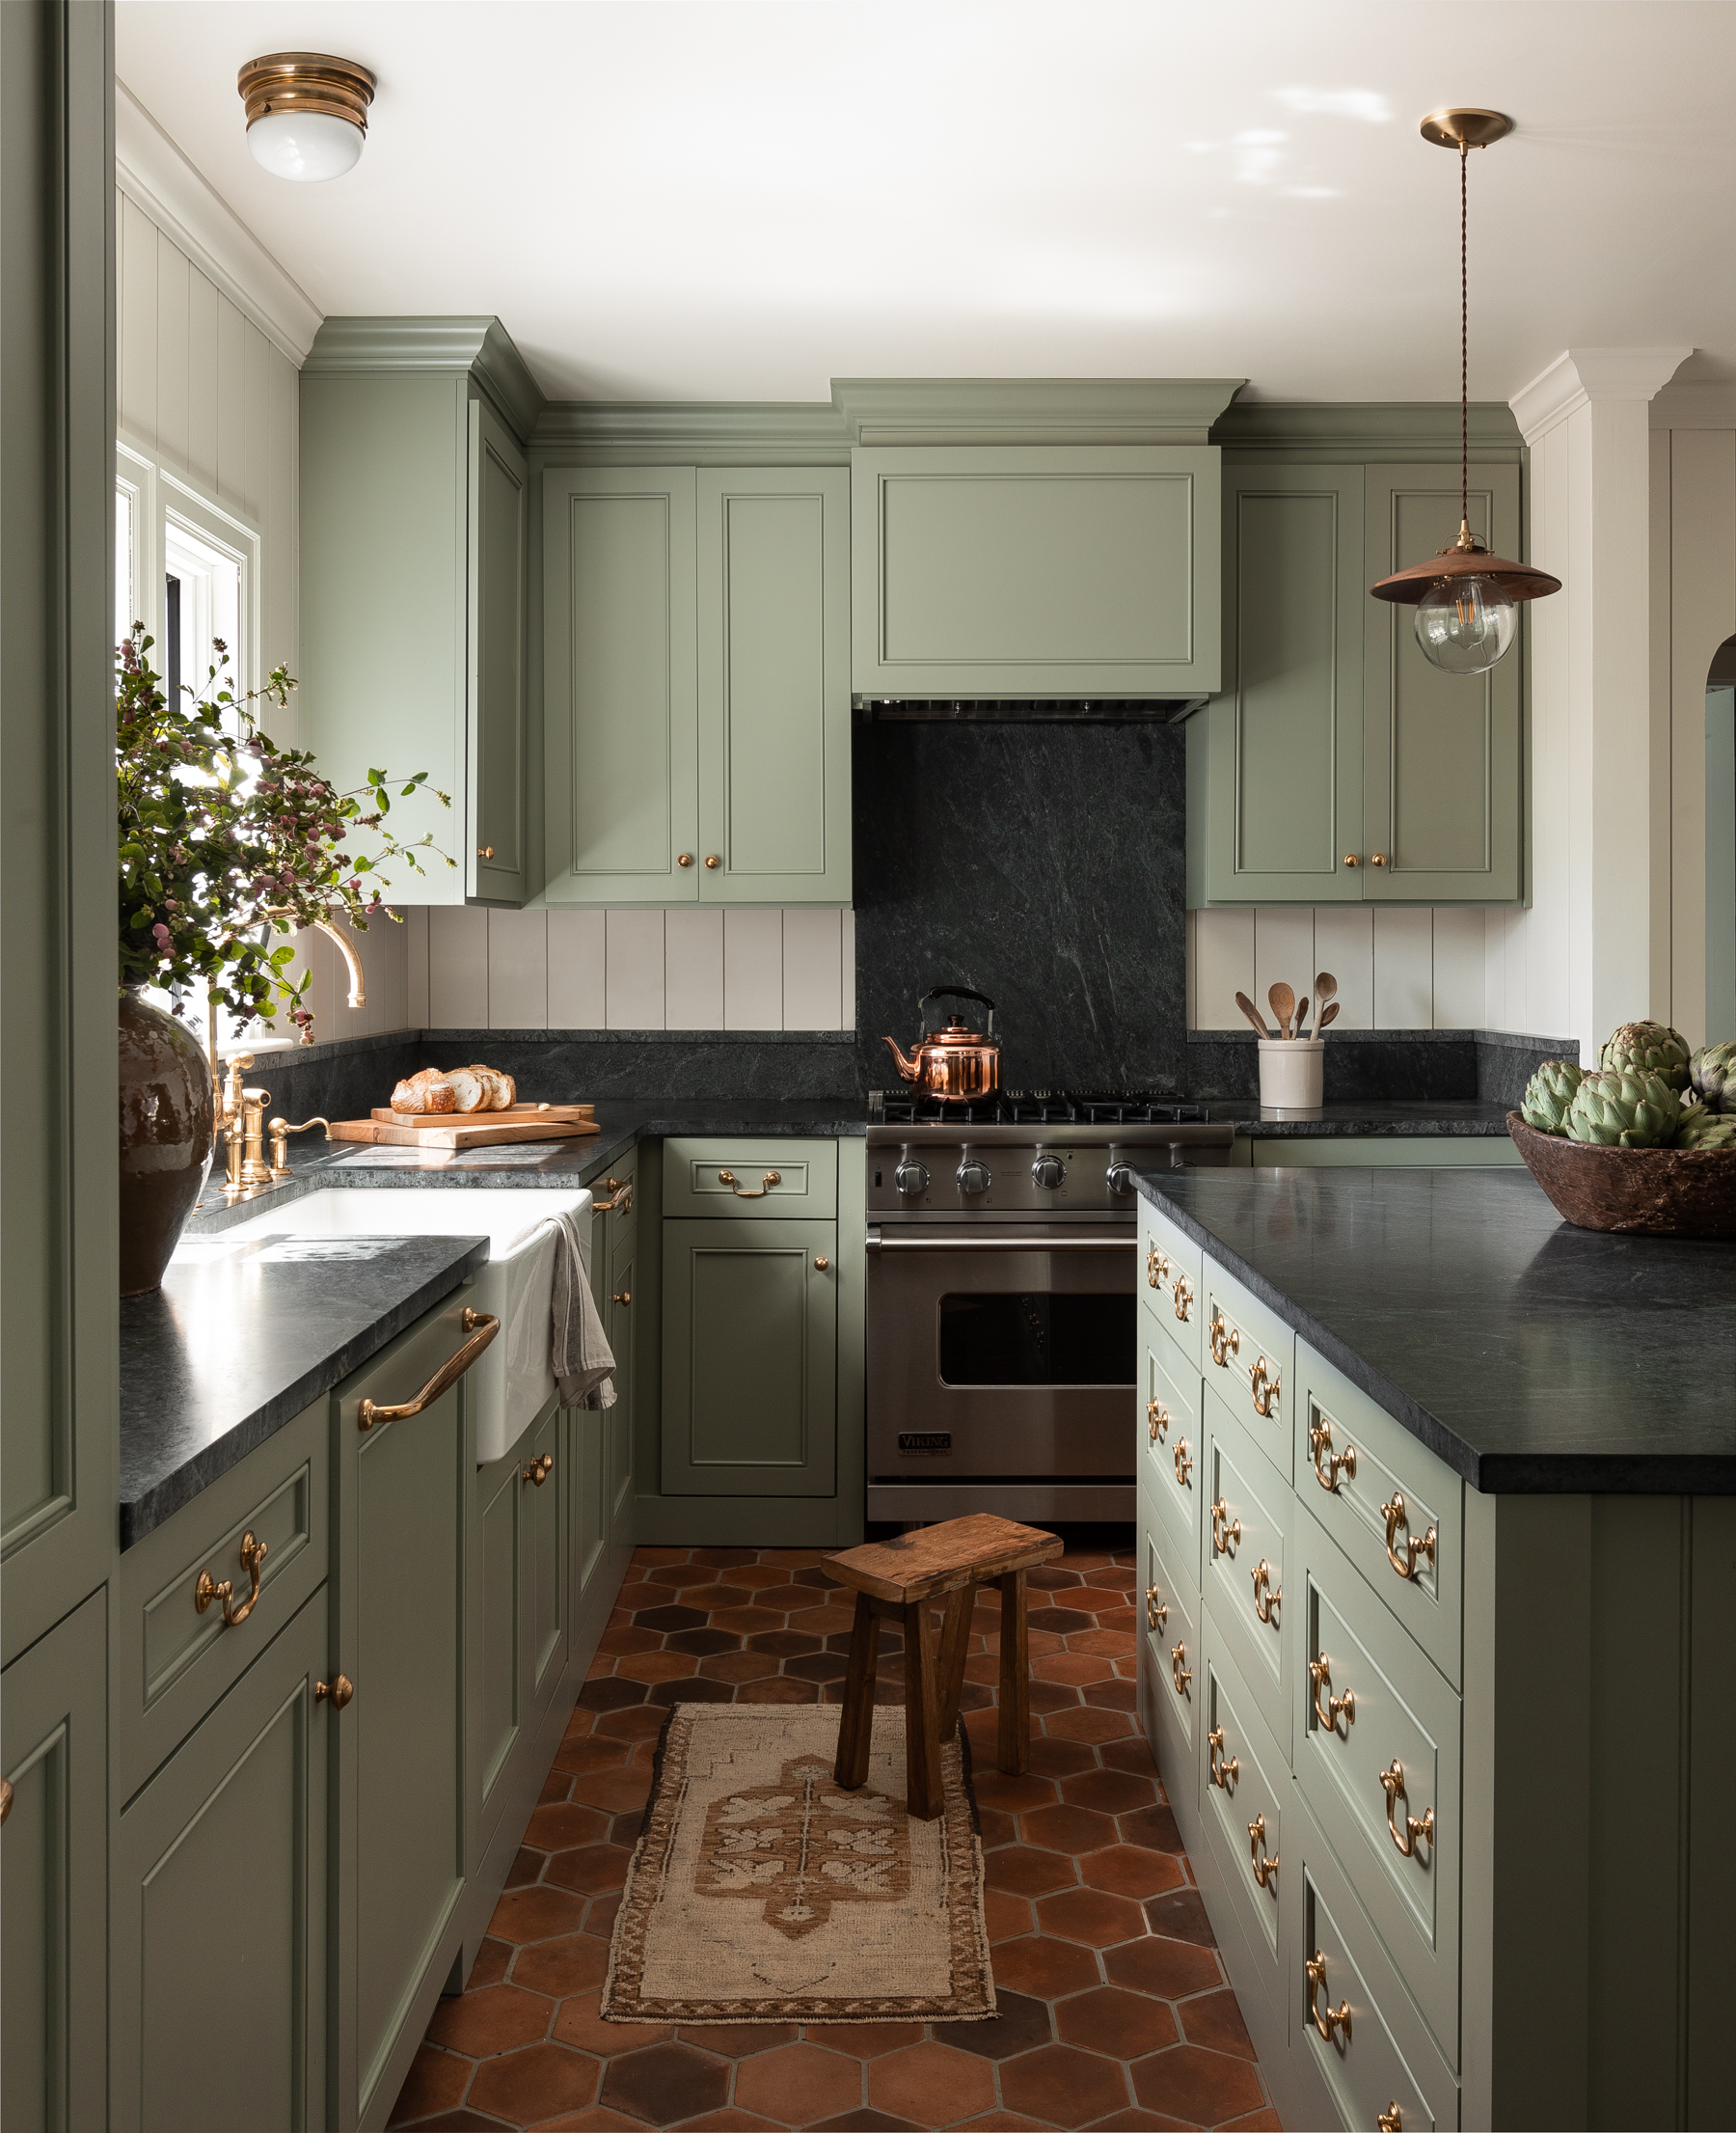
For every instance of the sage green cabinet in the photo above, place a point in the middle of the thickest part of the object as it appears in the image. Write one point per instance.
(1035, 570)
(1337, 765)
(414, 503)
(621, 1318)
(53, 1897)
(219, 1910)
(546, 1557)
(697, 677)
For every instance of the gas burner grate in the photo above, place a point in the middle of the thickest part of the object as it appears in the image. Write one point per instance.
(1038, 1107)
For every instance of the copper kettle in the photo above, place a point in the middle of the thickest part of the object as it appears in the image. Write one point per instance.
(954, 1061)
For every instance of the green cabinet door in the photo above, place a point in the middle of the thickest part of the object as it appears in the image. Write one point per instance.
(1441, 782)
(1275, 763)
(498, 536)
(545, 1558)
(620, 688)
(749, 1358)
(773, 651)
(497, 1684)
(53, 1862)
(620, 1318)
(219, 1897)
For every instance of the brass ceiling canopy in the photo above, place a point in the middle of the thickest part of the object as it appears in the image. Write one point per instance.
(1466, 126)
(305, 82)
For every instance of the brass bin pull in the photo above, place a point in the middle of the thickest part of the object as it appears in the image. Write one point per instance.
(1157, 1267)
(1180, 1674)
(1183, 1296)
(1156, 1610)
(253, 1554)
(1319, 1672)
(1328, 2017)
(539, 1470)
(619, 1205)
(1394, 1513)
(1223, 1774)
(1415, 1832)
(481, 1327)
(1320, 1440)
(339, 1689)
(1226, 1531)
(1266, 1871)
(1262, 1384)
(1183, 1462)
(1156, 1420)
(1267, 1597)
(749, 1192)
(1223, 1340)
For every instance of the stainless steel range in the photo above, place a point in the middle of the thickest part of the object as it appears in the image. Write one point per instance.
(1002, 1313)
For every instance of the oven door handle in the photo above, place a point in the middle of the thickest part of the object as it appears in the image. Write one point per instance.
(879, 1243)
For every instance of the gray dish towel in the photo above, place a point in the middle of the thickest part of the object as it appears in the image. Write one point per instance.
(583, 1360)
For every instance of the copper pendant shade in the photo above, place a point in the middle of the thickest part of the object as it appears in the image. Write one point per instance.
(1464, 130)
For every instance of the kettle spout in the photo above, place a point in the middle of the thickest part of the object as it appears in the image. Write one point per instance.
(908, 1068)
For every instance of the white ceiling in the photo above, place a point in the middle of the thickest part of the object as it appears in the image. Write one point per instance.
(745, 199)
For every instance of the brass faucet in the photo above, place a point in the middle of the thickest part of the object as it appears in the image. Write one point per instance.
(280, 1130)
(242, 1126)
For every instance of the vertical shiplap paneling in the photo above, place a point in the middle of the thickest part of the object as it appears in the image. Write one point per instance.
(517, 970)
(281, 523)
(233, 329)
(813, 970)
(138, 335)
(1659, 753)
(1458, 991)
(576, 969)
(202, 391)
(173, 274)
(1190, 992)
(387, 959)
(694, 970)
(1540, 948)
(416, 960)
(847, 977)
(1403, 968)
(1284, 949)
(1345, 948)
(633, 970)
(753, 970)
(457, 967)
(1224, 966)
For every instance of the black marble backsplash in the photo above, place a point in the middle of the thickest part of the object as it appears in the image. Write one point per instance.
(640, 1065)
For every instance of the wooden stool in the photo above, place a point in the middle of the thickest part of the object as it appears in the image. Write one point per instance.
(897, 1579)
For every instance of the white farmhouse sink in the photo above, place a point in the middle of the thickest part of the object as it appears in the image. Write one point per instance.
(511, 1379)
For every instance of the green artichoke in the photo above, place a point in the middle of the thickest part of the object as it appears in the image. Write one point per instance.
(1549, 1095)
(1647, 1048)
(1712, 1076)
(1702, 1127)
(1616, 1110)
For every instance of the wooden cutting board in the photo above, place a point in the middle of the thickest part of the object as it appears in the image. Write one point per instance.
(470, 1131)
(540, 1115)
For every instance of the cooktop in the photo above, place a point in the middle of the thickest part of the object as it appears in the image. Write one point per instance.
(905, 1107)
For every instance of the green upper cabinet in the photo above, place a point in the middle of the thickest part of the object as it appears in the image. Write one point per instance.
(415, 541)
(697, 671)
(1035, 570)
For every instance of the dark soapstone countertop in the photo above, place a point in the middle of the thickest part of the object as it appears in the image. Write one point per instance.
(1531, 1355)
(238, 1341)
(1417, 1119)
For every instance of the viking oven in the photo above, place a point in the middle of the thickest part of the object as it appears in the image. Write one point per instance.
(1002, 1314)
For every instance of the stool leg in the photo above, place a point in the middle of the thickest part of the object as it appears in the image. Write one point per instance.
(955, 1643)
(922, 1747)
(1015, 1739)
(854, 1727)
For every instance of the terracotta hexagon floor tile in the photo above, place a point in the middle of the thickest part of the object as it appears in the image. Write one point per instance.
(611, 1693)
(1071, 1830)
(1006, 1915)
(690, 1691)
(666, 2083)
(1264, 2121)
(1168, 1968)
(1077, 1667)
(999, 2122)
(1130, 1755)
(590, 1870)
(1064, 2085)
(933, 2084)
(866, 2119)
(436, 2082)
(1060, 1622)
(637, 1724)
(496, 2018)
(656, 1666)
(1215, 2020)
(535, 1914)
(1092, 1916)
(1129, 1869)
(1059, 1759)
(783, 1644)
(780, 1689)
(869, 2039)
(1016, 1796)
(800, 2083)
(1203, 2086)
(738, 1666)
(1021, 2023)
(702, 1643)
(616, 1792)
(579, 2023)
(1050, 1577)
(738, 2039)
(1110, 1792)
(1117, 1695)
(575, 1963)
(1154, 1827)
(596, 1752)
(560, 1827)
(1022, 1872)
(727, 2120)
(1138, 2120)
(997, 1827)
(535, 2082)
(600, 1918)
(1122, 2024)
(1088, 1723)
(1045, 1969)
(1181, 1915)
(490, 1965)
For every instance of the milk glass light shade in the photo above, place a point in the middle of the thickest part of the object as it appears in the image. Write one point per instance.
(306, 146)
(1465, 624)
(307, 114)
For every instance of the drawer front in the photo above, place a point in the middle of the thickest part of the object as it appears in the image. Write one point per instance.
(778, 1178)
(1249, 1362)
(1349, 2012)
(1246, 1516)
(1245, 1789)
(1170, 1269)
(1169, 1450)
(1169, 1605)
(177, 1656)
(1377, 1733)
(1393, 1508)
(614, 1217)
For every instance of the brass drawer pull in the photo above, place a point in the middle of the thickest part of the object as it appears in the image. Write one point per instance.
(339, 1689)
(1267, 1597)
(1156, 1420)
(1319, 1672)
(1225, 1532)
(1156, 1610)
(6, 1800)
(1325, 2019)
(1390, 2120)
(622, 1189)
(1223, 1340)
(1266, 1871)
(1180, 1674)
(1406, 1565)
(1157, 1267)
(1262, 1384)
(1183, 1296)
(746, 1191)
(1183, 1462)
(253, 1554)
(1320, 1440)
(481, 1327)
(1415, 1832)
(622, 1297)
(539, 1470)
(1223, 1774)
(485, 851)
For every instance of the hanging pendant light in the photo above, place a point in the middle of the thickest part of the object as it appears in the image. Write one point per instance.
(1466, 599)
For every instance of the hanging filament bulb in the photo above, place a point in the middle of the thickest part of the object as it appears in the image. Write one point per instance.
(1465, 624)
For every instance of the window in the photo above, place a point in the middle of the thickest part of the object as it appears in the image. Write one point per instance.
(188, 568)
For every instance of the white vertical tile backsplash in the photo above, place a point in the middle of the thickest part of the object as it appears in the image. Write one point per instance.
(1398, 967)
(457, 967)
(753, 970)
(1458, 992)
(517, 970)
(1403, 968)
(1344, 947)
(1223, 967)
(416, 933)
(577, 987)
(1283, 951)
(694, 969)
(632, 997)
(813, 975)
(847, 980)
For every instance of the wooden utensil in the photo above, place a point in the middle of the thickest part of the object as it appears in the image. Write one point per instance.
(1325, 988)
(1283, 1006)
(1331, 1015)
(1253, 1014)
(1301, 1014)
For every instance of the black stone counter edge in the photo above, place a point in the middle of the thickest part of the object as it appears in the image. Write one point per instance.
(156, 1505)
(1509, 1474)
(1490, 1128)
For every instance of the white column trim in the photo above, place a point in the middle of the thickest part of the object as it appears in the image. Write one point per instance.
(1579, 376)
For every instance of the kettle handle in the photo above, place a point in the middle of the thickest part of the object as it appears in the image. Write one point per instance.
(953, 991)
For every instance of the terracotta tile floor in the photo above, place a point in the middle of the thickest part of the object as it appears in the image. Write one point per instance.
(1114, 2010)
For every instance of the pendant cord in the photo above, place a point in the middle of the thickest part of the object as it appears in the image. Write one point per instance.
(1464, 344)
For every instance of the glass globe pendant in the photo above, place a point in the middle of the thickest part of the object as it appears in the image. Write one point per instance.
(307, 114)
(1465, 624)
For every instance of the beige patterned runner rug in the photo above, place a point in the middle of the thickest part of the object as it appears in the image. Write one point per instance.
(761, 1893)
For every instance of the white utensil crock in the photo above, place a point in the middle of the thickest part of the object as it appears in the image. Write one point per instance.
(1290, 1073)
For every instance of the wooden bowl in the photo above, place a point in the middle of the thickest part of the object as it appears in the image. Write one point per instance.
(1643, 1191)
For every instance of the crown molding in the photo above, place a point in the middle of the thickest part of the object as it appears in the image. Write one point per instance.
(1707, 406)
(1031, 411)
(481, 346)
(758, 433)
(158, 179)
(1364, 430)
(1580, 376)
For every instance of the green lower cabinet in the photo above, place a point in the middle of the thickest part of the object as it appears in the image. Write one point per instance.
(749, 1358)
(53, 1913)
(497, 1690)
(545, 1558)
(219, 1912)
(620, 1318)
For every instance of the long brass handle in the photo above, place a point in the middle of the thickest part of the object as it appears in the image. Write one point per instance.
(1267, 1597)
(539, 1470)
(1320, 1440)
(1225, 1532)
(1319, 1672)
(1394, 1513)
(1157, 1267)
(6, 1800)
(339, 1689)
(749, 1192)
(481, 1327)
(1262, 1384)
(1180, 1674)
(1266, 1871)
(1183, 1462)
(1156, 1610)
(1156, 1420)
(619, 1205)
(1325, 2019)
(1223, 1774)
(1415, 1832)
(253, 1554)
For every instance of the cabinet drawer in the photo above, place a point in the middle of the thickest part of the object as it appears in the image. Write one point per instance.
(1244, 1790)
(1247, 1516)
(1248, 1361)
(1169, 1450)
(1169, 1606)
(177, 1657)
(1169, 1263)
(615, 1214)
(764, 1177)
(1392, 1506)
(1381, 2059)
(1378, 1757)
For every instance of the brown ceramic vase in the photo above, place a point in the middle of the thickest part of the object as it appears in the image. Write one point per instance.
(165, 1138)
(1641, 1192)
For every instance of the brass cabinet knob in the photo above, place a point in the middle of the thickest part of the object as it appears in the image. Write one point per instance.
(623, 1295)
(1352, 860)
(539, 1470)
(339, 1689)
(1378, 858)
(684, 858)
(485, 851)
(713, 861)
(821, 1264)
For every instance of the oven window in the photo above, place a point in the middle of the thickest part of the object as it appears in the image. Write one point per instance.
(1038, 1340)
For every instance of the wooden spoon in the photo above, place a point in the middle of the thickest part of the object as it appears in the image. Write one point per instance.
(1301, 1014)
(1325, 988)
(1253, 1014)
(1331, 1015)
(1283, 1006)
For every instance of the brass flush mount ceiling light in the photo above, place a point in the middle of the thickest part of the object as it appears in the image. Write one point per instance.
(307, 112)
(1466, 599)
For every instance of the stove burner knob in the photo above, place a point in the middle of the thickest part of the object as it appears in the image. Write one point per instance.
(1120, 1177)
(1048, 1171)
(911, 1176)
(972, 1176)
